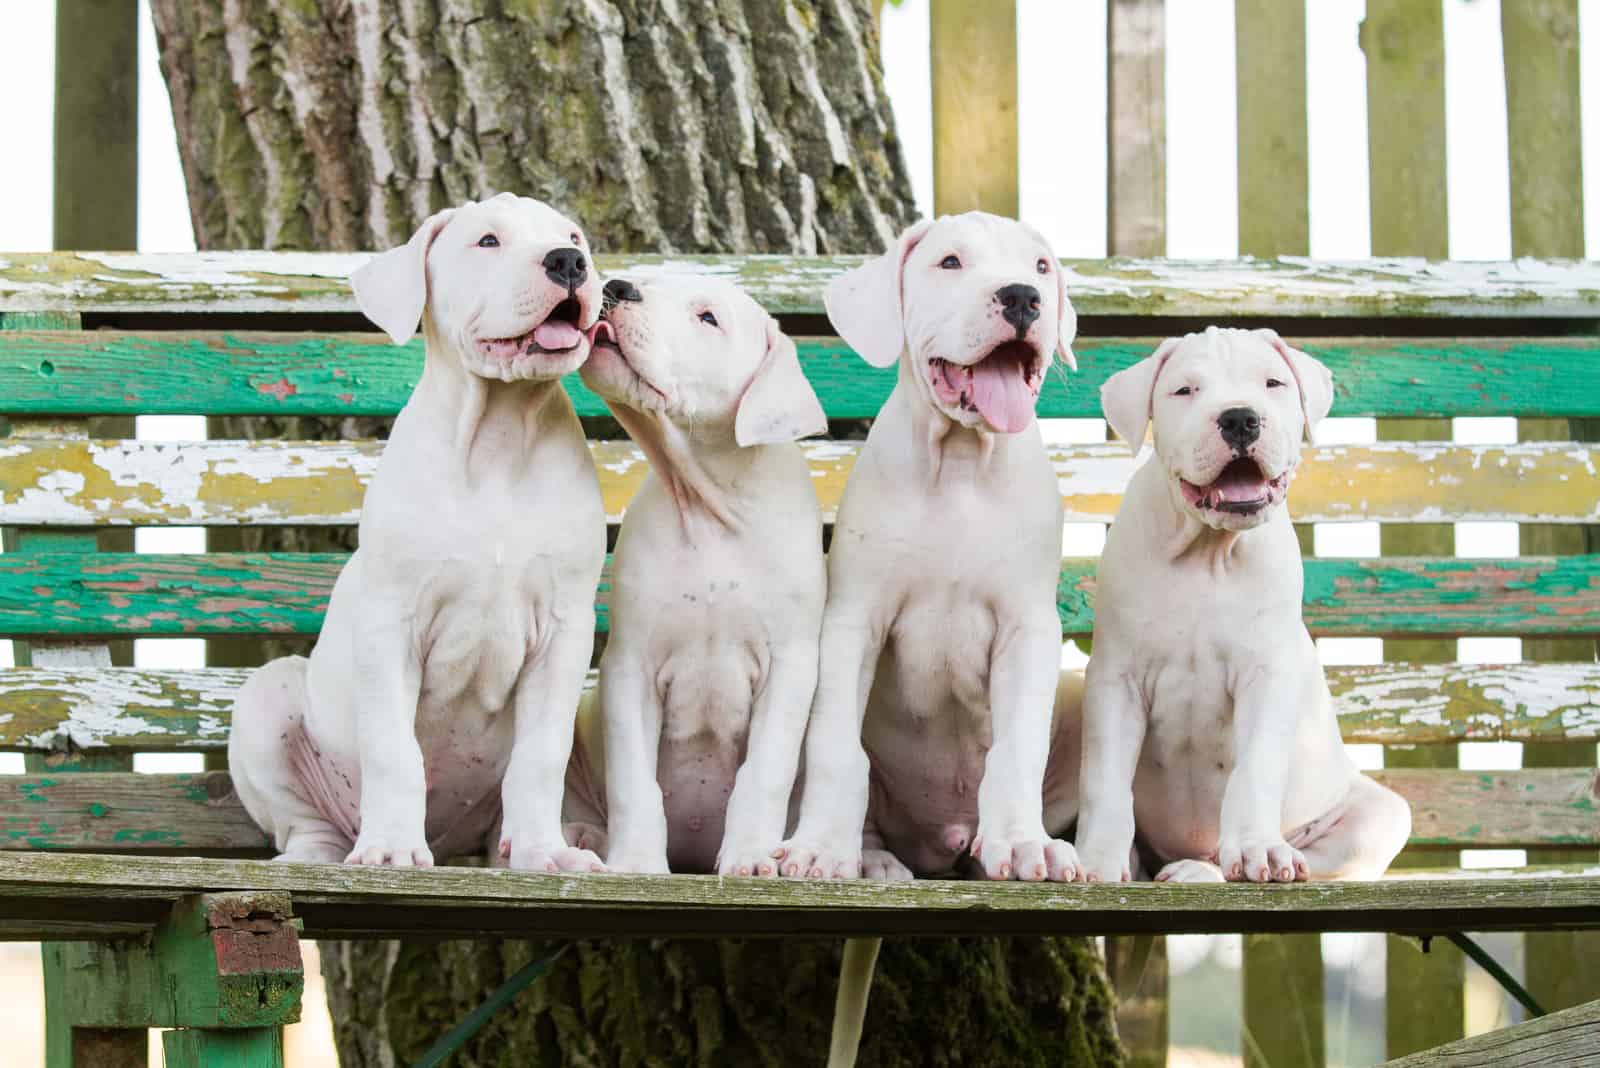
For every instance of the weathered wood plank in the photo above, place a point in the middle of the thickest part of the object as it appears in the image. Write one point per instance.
(314, 282)
(972, 54)
(1136, 130)
(281, 373)
(176, 710)
(223, 594)
(353, 901)
(1273, 148)
(198, 813)
(1565, 1039)
(292, 483)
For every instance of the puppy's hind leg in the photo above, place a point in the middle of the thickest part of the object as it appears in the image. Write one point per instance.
(267, 736)
(1359, 838)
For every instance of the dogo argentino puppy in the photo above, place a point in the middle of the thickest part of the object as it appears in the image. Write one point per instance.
(441, 694)
(1207, 720)
(941, 644)
(717, 594)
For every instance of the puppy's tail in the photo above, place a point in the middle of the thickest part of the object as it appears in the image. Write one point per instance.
(850, 1006)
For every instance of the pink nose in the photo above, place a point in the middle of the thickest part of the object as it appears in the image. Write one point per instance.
(956, 837)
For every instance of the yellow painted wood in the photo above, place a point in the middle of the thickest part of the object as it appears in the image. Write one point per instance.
(973, 51)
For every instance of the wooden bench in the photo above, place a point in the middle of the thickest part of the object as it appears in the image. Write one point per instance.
(158, 881)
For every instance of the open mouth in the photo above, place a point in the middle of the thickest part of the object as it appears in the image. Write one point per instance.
(1002, 387)
(604, 336)
(559, 333)
(1241, 489)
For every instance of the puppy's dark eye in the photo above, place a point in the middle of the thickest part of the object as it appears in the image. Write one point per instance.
(488, 241)
(577, 238)
(1273, 383)
(950, 263)
(707, 318)
(1183, 392)
(1043, 265)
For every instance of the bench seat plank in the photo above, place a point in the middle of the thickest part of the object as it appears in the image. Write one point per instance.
(198, 813)
(337, 901)
(189, 710)
(302, 282)
(48, 482)
(237, 594)
(210, 372)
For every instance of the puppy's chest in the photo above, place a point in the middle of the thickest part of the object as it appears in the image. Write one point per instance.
(1189, 692)
(481, 633)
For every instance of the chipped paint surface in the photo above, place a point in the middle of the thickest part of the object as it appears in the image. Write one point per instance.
(310, 281)
(225, 483)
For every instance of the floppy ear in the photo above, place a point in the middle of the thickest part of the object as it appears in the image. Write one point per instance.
(1067, 325)
(1126, 396)
(778, 405)
(864, 303)
(1314, 379)
(392, 287)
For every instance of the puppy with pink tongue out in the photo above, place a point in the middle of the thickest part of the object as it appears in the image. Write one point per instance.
(937, 737)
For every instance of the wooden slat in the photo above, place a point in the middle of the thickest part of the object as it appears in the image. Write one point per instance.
(972, 59)
(149, 709)
(1136, 131)
(1566, 1038)
(1273, 148)
(203, 595)
(314, 282)
(283, 373)
(293, 483)
(198, 814)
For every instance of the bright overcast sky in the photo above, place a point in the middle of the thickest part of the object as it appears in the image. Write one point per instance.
(1062, 116)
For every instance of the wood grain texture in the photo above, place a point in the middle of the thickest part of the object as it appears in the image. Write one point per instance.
(352, 901)
(237, 594)
(1273, 150)
(314, 282)
(972, 51)
(283, 373)
(293, 483)
(195, 814)
(1565, 1039)
(1136, 128)
(81, 710)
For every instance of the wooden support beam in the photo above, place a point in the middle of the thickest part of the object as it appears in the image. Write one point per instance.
(973, 53)
(1136, 128)
(1561, 1038)
(1274, 169)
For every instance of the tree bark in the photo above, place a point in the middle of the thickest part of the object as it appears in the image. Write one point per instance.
(694, 126)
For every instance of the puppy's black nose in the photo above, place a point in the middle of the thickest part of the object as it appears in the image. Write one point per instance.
(1240, 427)
(1019, 306)
(620, 291)
(566, 267)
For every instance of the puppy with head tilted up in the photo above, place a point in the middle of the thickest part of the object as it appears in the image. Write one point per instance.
(439, 699)
(718, 586)
(1208, 730)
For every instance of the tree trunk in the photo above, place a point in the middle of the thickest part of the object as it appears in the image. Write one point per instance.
(695, 126)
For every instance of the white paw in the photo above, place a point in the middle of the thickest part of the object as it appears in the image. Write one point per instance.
(884, 865)
(801, 858)
(1028, 859)
(376, 848)
(1189, 871)
(637, 862)
(749, 857)
(1261, 861)
(523, 854)
(1101, 865)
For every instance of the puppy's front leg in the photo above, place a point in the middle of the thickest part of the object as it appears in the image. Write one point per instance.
(1114, 721)
(827, 842)
(394, 788)
(1011, 839)
(636, 813)
(546, 709)
(759, 805)
(1266, 711)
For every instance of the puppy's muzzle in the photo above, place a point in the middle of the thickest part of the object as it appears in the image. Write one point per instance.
(566, 267)
(1019, 305)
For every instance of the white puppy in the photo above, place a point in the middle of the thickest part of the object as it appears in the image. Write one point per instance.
(1207, 720)
(941, 627)
(718, 586)
(458, 635)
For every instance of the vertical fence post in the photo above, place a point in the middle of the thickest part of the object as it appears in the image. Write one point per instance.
(1136, 128)
(1283, 979)
(1404, 45)
(1136, 225)
(1545, 137)
(973, 58)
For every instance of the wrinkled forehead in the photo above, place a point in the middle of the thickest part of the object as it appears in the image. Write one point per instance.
(1222, 355)
(511, 214)
(700, 290)
(983, 240)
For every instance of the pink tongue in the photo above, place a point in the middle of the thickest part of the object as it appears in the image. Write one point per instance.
(556, 335)
(1001, 395)
(1239, 482)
